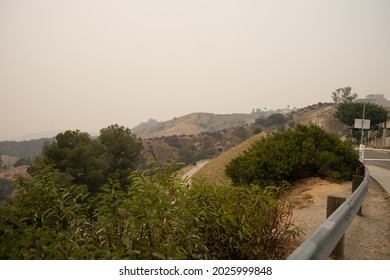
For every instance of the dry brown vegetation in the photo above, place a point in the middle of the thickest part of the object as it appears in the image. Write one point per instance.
(195, 137)
(214, 169)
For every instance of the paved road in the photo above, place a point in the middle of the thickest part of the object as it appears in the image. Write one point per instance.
(377, 155)
(379, 170)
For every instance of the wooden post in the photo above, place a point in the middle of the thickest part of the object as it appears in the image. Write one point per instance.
(356, 181)
(332, 204)
(360, 170)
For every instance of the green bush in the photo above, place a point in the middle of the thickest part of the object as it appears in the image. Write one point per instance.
(302, 152)
(257, 130)
(42, 219)
(157, 217)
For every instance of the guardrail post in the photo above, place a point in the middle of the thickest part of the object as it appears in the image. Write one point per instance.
(356, 181)
(360, 170)
(332, 204)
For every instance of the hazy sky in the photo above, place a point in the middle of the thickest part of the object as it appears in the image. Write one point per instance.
(87, 64)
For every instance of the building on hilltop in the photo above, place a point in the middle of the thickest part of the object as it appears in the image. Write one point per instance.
(378, 99)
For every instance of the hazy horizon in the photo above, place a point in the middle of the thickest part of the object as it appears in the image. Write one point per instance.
(88, 64)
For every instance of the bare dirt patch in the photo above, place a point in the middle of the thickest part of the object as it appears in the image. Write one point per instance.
(14, 172)
(367, 238)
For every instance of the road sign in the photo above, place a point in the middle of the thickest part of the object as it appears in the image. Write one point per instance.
(366, 124)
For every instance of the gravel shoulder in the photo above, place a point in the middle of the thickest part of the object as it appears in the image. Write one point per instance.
(367, 238)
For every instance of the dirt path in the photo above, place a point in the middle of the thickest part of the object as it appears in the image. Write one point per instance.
(195, 169)
(367, 238)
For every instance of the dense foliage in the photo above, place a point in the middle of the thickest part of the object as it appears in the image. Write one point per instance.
(275, 119)
(297, 153)
(90, 162)
(156, 217)
(347, 112)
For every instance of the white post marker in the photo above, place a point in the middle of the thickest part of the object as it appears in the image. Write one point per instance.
(361, 152)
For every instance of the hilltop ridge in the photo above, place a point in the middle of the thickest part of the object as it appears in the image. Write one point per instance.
(195, 123)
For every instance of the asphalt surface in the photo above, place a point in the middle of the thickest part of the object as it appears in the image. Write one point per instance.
(377, 168)
(377, 158)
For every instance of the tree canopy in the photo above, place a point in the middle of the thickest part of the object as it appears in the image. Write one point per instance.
(122, 149)
(342, 95)
(91, 162)
(347, 112)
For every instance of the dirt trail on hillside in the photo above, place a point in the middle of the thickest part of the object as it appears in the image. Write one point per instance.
(195, 169)
(367, 238)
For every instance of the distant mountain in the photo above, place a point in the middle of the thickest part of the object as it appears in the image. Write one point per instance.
(196, 123)
(144, 125)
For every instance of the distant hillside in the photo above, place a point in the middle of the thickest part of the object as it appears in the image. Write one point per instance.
(192, 148)
(319, 114)
(199, 136)
(196, 123)
(23, 149)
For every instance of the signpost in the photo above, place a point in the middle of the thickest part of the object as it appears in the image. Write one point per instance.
(362, 124)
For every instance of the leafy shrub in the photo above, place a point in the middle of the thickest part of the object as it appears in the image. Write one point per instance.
(257, 130)
(238, 223)
(275, 119)
(292, 155)
(41, 220)
(241, 132)
(157, 217)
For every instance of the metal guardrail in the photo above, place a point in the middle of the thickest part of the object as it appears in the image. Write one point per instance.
(322, 242)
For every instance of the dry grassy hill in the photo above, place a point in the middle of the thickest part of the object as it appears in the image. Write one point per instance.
(319, 114)
(214, 170)
(196, 123)
(10, 172)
